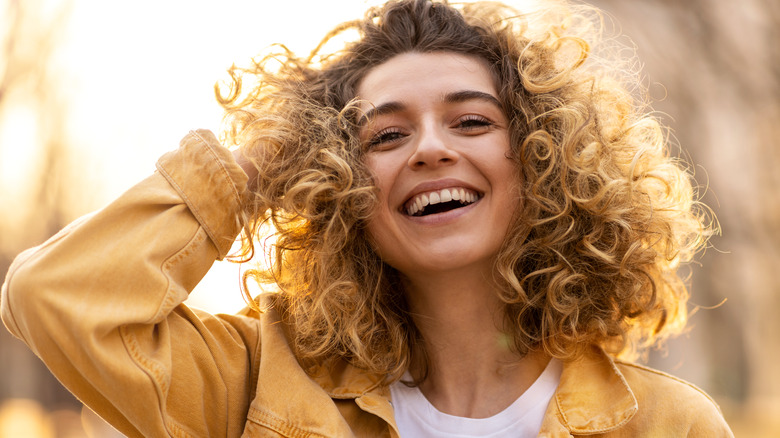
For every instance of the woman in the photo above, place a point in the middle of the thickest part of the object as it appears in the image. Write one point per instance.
(474, 219)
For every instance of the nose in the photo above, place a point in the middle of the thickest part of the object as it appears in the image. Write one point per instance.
(432, 150)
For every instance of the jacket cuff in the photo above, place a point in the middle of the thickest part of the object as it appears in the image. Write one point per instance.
(210, 182)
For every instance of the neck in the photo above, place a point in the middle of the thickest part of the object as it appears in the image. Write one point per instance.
(472, 371)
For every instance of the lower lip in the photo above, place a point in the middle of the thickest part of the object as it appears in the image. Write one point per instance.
(442, 218)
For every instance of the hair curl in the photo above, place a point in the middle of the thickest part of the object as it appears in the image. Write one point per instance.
(607, 214)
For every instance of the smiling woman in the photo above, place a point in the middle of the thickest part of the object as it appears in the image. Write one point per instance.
(474, 219)
(439, 129)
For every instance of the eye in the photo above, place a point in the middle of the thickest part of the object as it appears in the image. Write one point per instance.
(474, 124)
(384, 137)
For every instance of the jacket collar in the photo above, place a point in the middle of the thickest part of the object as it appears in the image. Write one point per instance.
(296, 403)
(592, 397)
(338, 378)
(343, 381)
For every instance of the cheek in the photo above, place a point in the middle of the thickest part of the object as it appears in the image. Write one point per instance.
(381, 238)
(381, 166)
(384, 175)
(513, 192)
(379, 224)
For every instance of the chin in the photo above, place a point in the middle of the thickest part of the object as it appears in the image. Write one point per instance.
(450, 263)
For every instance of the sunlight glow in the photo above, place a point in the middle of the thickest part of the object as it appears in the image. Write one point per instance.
(141, 74)
(17, 136)
(135, 77)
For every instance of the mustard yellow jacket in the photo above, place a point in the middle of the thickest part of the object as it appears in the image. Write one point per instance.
(101, 304)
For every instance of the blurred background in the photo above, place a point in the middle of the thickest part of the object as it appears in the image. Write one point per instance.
(92, 92)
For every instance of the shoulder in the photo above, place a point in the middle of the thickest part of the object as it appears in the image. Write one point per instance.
(671, 402)
(653, 386)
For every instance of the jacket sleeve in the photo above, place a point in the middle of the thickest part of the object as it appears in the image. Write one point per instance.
(100, 302)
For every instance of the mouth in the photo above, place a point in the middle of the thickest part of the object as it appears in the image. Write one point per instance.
(439, 201)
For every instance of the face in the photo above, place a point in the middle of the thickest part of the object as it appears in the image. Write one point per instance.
(438, 146)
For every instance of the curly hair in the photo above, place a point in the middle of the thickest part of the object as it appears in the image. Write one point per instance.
(607, 213)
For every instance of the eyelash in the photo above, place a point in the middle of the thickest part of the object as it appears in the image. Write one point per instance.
(468, 123)
(383, 137)
(471, 122)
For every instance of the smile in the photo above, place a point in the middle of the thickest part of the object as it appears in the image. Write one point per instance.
(439, 201)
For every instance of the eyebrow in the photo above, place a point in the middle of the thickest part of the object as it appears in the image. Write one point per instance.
(465, 95)
(454, 97)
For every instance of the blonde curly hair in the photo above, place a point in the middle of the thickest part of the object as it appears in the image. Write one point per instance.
(607, 214)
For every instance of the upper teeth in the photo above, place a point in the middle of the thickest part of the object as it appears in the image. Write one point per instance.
(422, 200)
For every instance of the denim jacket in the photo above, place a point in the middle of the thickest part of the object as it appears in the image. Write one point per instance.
(101, 304)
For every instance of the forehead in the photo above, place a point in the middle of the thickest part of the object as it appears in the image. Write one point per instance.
(425, 75)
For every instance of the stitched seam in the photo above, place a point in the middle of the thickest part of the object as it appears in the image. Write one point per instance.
(350, 395)
(189, 203)
(149, 366)
(558, 401)
(676, 379)
(353, 394)
(154, 370)
(176, 429)
(165, 268)
(280, 425)
(224, 172)
(606, 429)
(625, 420)
(230, 183)
(562, 413)
(255, 363)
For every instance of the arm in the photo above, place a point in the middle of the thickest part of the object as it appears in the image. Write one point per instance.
(100, 302)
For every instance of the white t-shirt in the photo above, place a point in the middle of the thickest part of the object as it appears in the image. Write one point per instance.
(417, 417)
